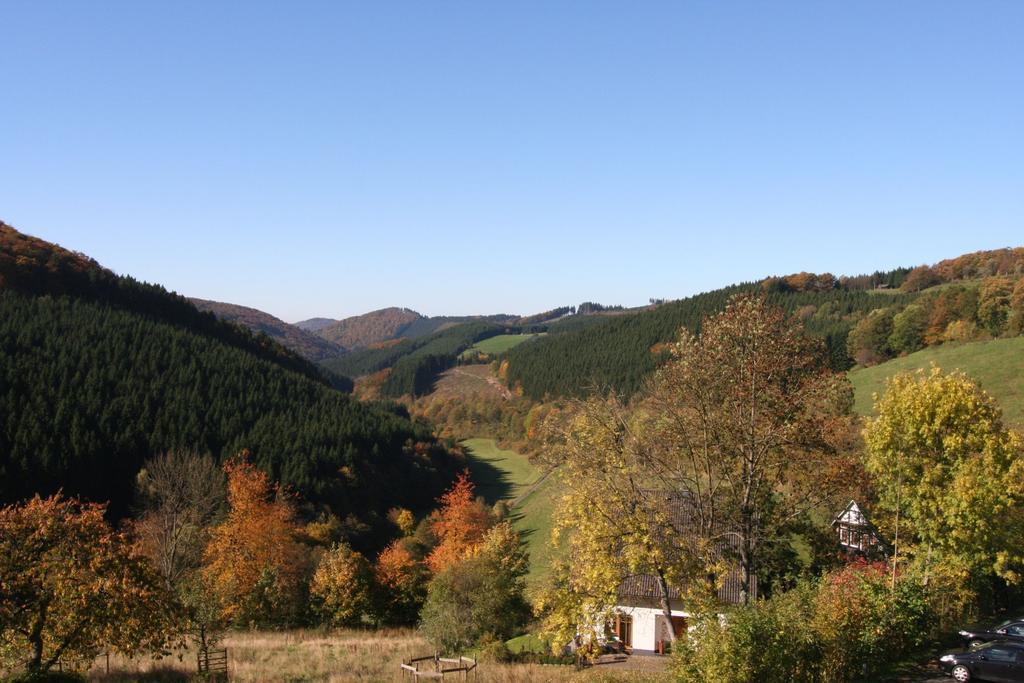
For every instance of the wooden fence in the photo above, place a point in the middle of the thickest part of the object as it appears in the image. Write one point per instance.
(436, 667)
(213, 664)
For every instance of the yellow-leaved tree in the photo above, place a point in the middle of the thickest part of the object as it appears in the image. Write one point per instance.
(949, 477)
(341, 587)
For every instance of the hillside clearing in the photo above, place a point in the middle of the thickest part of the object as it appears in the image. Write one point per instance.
(998, 365)
(465, 382)
(499, 344)
(499, 474)
(507, 475)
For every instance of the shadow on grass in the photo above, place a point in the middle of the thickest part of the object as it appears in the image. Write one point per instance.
(492, 483)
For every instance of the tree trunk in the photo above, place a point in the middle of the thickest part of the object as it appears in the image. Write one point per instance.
(666, 605)
(35, 638)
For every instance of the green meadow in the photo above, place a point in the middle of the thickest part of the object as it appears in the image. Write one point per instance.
(499, 344)
(507, 475)
(998, 365)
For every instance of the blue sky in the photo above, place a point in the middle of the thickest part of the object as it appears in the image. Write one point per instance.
(480, 157)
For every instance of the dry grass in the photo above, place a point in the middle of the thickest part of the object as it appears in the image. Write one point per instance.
(333, 657)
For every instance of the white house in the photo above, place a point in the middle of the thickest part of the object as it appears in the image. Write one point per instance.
(639, 622)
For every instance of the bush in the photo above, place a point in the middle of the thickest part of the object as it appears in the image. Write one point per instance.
(494, 651)
(46, 677)
(479, 597)
(847, 625)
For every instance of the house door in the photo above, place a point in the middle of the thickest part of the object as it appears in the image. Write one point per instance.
(624, 629)
(679, 626)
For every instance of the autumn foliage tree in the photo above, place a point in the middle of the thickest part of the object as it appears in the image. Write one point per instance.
(479, 596)
(341, 588)
(459, 524)
(70, 586)
(752, 428)
(402, 580)
(949, 478)
(254, 564)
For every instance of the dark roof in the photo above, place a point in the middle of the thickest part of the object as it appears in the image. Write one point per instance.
(682, 519)
(646, 586)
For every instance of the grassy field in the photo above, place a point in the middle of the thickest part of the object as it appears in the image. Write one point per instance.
(332, 657)
(533, 521)
(998, 365)
(499, 474)
(499, 344)
(507, 475)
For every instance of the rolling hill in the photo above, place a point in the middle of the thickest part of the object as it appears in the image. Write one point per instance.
(314, 324)
(998, 365)
(304, 343)
(362, 331)
(100, 372)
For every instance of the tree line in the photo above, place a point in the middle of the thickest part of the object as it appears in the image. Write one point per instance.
(212, 548)
(618, 352)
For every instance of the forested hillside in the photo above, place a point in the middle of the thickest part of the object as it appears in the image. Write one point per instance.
(36, 267)
(91, 385)
(361, 331)
(414, 363)
(619, 351)
(863, 320)
(314, 324)
(378, 328)
(304, 343)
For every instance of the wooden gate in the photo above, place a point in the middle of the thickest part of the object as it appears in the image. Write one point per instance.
(213, 664)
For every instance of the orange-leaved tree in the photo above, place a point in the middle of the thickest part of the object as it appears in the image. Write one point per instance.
(254, 563)
(403, 583)
(459, 525)
(70, 586)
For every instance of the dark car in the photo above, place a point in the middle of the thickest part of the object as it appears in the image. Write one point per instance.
(998, 661)
(1008, 630)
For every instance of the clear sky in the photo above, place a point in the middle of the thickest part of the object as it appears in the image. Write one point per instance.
(326, 159)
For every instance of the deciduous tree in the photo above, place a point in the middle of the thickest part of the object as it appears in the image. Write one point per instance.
(459, 524)
(342, 587)
(478, 597)
(751, 427)
(70, 586)
(403, 583)
(180, 495)
(949, 476)
(254, 563)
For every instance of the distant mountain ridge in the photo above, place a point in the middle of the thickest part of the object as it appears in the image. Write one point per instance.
(362, 331)
(304, 343)
(314, 324)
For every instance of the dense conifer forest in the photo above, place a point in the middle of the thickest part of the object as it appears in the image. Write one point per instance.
(618, 352)
(93, 385)
(415, 363)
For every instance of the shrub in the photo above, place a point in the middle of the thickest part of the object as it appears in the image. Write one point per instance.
(479, 596)
(847, 625)
(46, 677)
